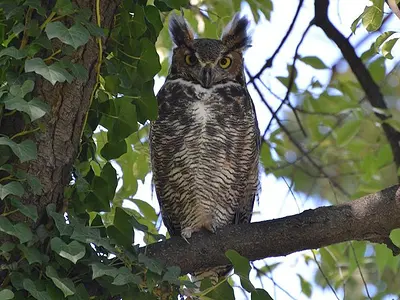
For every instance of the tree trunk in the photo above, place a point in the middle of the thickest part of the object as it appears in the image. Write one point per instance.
(58, 142)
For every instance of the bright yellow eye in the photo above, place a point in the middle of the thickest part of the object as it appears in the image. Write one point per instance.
(190, 59)
(225, 62)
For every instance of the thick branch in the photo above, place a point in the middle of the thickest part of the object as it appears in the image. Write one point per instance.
(370, 218)
(362, 74)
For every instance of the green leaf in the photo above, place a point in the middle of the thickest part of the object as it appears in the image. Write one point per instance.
(64, 284)
(387, 48)
(59, 219)
(146, 103)
(64, 7)
(260, 294)
(88, 235)
(5, 248)
(314, 62)
(146, 209)
(177, 4)
(149, 62)
(53, 73)
(266, 156)
(381, 39)
(94, 30)
(79, 72)
(75, 36)
(100, 269)
(26, 150)
(122, 119)
(242, 268)
(20, 91)
(6, 294)
(18, 28)
(222, 291)
(98, 198)
(31, 254)
(31, 287)
(285, 81)
(20, 230)
(125, 276)
(373, 15)
(306, 287)
(347, 132)
(328, 258)
(35, 4)
(356, 21)
(11, 188)
(43, 42)
(382, 257)
(81, 293)
(152, 264)
(73, 251)
(34, 108)
(395, 236)
(28, 210)
(137, 225)
(121, 230)
(172, 275)
(153, 16)
(13, 52)
(377, 69)
(112, 150)
(136, 25)
(111, 84)
(109, 174)
(17, 279)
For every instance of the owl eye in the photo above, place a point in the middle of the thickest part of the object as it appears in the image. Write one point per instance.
(225, 62)
(190, 59)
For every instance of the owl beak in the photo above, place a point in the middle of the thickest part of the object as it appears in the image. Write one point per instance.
(206, 77)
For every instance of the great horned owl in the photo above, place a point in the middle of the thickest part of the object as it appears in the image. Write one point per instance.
(205, 143)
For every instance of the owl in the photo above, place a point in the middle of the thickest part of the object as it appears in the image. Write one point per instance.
(205, 144)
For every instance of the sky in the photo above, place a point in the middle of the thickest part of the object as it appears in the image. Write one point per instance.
(275, 199)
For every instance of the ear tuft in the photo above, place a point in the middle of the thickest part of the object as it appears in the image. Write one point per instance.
(235, 35)
(180, 31)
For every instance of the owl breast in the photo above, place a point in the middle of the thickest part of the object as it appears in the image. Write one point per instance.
(204, 149)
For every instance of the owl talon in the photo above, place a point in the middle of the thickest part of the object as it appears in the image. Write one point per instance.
(186, 234)
(186, 240)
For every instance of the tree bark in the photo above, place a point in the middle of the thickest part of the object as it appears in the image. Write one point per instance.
(370, 218)
(58, 143)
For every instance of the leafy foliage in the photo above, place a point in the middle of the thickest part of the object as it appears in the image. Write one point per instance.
(92, 239)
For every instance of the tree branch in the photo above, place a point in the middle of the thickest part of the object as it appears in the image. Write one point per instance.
(362, 74)
(370, 218)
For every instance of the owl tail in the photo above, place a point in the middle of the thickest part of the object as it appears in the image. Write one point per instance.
(215, 275)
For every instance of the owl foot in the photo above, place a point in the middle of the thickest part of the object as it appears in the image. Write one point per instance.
(186, 233)
(211, 227)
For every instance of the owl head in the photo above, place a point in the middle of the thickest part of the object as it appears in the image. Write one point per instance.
(209, 61)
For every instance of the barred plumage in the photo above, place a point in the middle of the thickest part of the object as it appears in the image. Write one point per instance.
(205, 143)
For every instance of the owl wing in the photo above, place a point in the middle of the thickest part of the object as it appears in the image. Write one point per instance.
(244, 213)
(160, 166)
